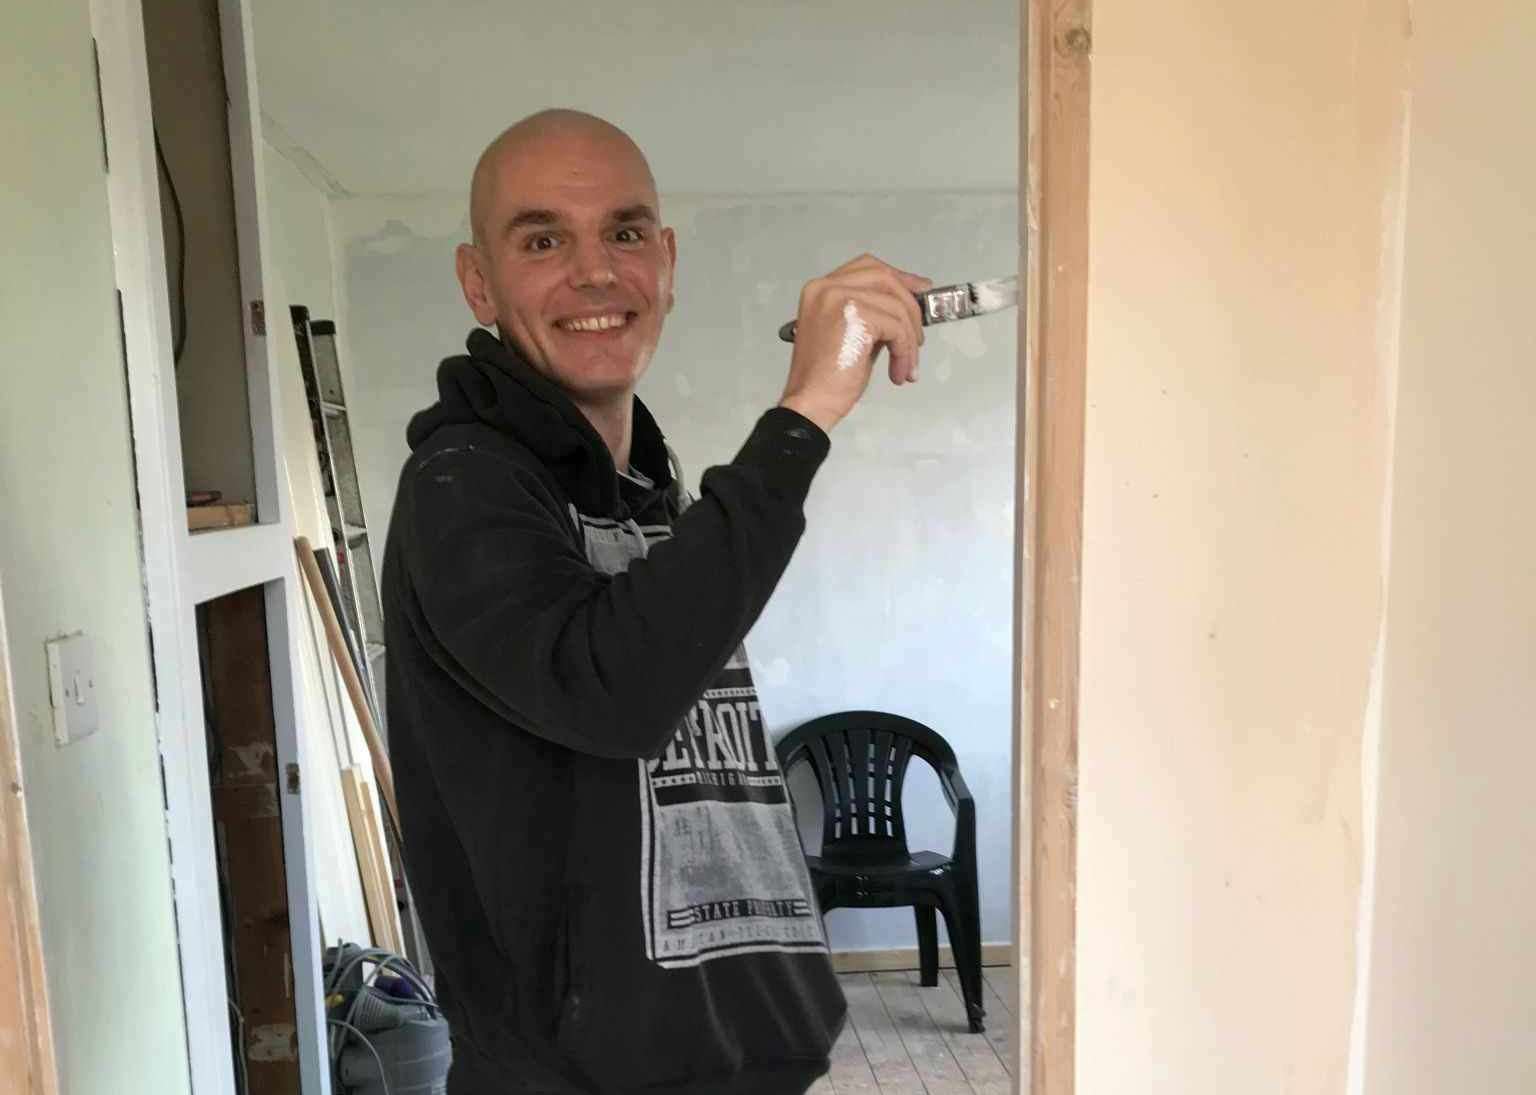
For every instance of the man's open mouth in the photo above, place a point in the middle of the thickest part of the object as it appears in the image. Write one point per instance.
(606, 322)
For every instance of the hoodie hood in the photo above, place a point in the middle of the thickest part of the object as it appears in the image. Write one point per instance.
(492, 385)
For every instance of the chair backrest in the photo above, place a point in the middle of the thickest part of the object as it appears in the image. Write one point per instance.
(860, 761)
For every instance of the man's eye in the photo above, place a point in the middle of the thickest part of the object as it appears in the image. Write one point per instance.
(630, 235)
(541, 243)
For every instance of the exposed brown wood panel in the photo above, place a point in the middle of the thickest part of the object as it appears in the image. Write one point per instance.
(1053, 347)
(248, 817)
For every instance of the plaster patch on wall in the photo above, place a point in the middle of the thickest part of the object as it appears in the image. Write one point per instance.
(273, 1042)
(253, 758)
(1394, 222)
(681, 223)
(357, 220)
(967, 337)
(392, 238)
(776, 672)
(741, 260)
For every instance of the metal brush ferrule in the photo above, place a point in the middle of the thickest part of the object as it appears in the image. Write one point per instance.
(946, 303)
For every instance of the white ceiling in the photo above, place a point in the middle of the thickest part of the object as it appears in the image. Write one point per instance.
(397, 97)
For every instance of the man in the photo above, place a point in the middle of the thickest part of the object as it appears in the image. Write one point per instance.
(596, 830)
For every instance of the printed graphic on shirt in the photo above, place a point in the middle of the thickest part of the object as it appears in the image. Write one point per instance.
(723, 872)
(721, 868)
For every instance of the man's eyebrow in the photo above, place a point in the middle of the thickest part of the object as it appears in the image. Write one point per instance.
(523, 218)
(640, 212)
(544, 218)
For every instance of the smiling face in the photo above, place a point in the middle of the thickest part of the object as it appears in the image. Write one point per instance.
(570, 259)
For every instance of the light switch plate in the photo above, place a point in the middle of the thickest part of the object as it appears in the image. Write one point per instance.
(72, 687)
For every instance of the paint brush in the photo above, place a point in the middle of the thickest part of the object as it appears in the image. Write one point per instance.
(951, 302)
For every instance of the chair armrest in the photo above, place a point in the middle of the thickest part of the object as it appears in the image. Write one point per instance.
(955, 789)
(958, 795)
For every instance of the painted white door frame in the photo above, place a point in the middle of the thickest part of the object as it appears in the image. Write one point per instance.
(182, 570)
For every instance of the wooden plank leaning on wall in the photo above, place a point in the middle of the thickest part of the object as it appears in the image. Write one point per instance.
(26, 1031)
(1053, 180)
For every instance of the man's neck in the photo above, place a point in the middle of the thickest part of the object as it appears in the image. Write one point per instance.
(614, 421)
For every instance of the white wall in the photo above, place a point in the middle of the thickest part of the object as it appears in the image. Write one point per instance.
(1453, 963)
(900, 595)
(298, 231)
(1245, 178)
(69, 560)
(854, 96)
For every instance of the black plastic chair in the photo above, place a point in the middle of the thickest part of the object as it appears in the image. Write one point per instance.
(860, 760)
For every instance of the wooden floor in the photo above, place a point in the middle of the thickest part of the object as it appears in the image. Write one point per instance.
(903, 1039)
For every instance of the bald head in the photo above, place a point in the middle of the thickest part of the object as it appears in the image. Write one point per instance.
(570, 260)
(548, 133)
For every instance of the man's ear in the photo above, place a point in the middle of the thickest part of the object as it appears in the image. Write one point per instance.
(669, 237)
(468, 262)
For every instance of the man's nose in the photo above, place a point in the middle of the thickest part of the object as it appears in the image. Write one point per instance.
(593, 266)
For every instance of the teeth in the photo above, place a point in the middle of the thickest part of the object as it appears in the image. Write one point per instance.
(594, 323)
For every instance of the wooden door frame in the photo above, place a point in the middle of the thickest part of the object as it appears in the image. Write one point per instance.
(1056, 48)
(18, 890)
(182, 569)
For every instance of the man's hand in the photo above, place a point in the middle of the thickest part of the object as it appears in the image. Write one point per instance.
(844, 321)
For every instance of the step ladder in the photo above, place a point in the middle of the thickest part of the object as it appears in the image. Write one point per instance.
(362, 611)
(326, 395)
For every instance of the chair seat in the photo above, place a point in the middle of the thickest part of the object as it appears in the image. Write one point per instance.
(886, 866)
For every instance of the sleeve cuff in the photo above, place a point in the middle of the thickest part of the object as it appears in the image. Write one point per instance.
(786, 449)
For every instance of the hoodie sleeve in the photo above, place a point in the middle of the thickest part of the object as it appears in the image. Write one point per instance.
(604, 665)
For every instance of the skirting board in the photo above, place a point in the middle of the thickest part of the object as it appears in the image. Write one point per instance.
(905, 958)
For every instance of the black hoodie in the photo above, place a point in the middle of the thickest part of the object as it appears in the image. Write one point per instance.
(596, 831)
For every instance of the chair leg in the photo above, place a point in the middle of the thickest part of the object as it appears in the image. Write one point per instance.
(967, 959)
(970, 903)
(927, 944)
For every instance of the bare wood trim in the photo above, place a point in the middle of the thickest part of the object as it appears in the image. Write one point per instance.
(232, 515)
(895, 959)
(382, 774)
(26, 1050)
(386, 881)
(1053, 347)
(378, 886)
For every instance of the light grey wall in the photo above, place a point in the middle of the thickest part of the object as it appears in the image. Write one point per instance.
(299, 272)
(761, 96)
(299, 233)
(900, 596)
(69, 561)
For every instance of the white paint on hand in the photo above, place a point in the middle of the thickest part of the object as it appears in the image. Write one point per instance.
(856, 338)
